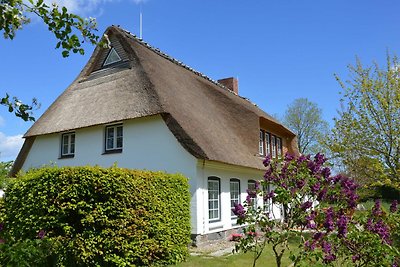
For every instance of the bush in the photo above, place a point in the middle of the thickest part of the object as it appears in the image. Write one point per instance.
(106, 217)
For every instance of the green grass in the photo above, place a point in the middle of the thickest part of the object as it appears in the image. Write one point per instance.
(243, 259)
(235, 260)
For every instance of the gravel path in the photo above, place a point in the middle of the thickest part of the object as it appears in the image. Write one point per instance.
(213, 248)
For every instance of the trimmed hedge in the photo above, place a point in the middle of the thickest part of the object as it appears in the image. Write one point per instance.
(102, 217)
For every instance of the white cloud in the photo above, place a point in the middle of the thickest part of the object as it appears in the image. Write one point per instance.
(10, 146)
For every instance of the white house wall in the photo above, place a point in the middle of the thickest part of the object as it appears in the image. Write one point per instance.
(225, 172)
(147, 144)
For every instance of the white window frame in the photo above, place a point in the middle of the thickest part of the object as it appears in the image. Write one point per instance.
(261, 142)
(70, 145)
(251, 185)
(214, 204)
(273, 146)
(267, 202)
(279, 147)
(268, 143)
(114, 138)
(234, 186)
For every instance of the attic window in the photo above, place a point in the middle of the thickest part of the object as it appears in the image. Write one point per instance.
(112, 57)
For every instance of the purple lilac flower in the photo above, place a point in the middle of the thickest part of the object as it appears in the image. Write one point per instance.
(318, 236)
(310, 245)
(268, 175)
(326, 247)
(328, 224)
(303, 158)
(306, 205)
(322, 194)
(251, 193)
(326, 172)
(41, 234)
(315, 187)
(239, 211)
(310, 223)
(312, 167)
(376, 210)
(270, 195)
(342, 225)
(319, 159)
(1, 227)
(300, 183)
(248, 199)
(329, 256)
(289, 157)
(267, 160)
(393, 206)
(2, 241)
(379, 228)
(382, 230)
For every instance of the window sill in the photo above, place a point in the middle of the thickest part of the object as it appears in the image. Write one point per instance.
(112, 151)
(66, 156)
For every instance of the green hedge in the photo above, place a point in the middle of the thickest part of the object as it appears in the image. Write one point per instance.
(101, 217)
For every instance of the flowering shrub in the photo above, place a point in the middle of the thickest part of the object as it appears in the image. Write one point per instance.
(319, 209)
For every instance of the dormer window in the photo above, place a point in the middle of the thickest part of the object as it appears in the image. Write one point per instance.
(270, 144)
(112, 57)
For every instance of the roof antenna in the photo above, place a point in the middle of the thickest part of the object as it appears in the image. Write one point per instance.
(141, 25)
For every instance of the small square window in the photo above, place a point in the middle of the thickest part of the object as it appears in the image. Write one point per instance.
(114, 138)
(68, 145)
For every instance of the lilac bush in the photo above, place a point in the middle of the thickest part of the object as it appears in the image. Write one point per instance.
(319, 211)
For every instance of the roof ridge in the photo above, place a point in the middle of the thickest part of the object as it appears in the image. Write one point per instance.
(180, 63)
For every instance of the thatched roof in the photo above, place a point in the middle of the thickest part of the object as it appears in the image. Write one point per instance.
(210, 121)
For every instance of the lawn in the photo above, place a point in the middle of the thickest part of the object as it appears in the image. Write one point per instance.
(233, 260)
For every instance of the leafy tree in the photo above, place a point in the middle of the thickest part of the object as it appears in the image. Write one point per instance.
(5, 168)
(366, 136)
(305, 119)
(65, 26)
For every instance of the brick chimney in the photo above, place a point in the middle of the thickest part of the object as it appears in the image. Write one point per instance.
(230, 83)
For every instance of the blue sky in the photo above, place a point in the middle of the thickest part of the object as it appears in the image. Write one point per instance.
(279, 50)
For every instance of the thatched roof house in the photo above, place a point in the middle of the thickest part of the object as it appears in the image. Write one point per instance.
(133, 80)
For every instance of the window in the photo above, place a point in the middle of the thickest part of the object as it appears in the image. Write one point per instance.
(251, 185)
(261, 143)
(114, 138)
(268, 143)
(273, 142)
(279, 147)
(214, 192)
(67, 145)
(112, 57)
(235, 193)
(266, 202)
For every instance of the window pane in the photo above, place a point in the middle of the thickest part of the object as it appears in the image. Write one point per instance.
(119, 131)
(213, 199)
(110, 143)
(119, 142)
(65, 149)
(273, 139)
(279, 141)
(261, 143)
(65, 139)
(268, 143)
